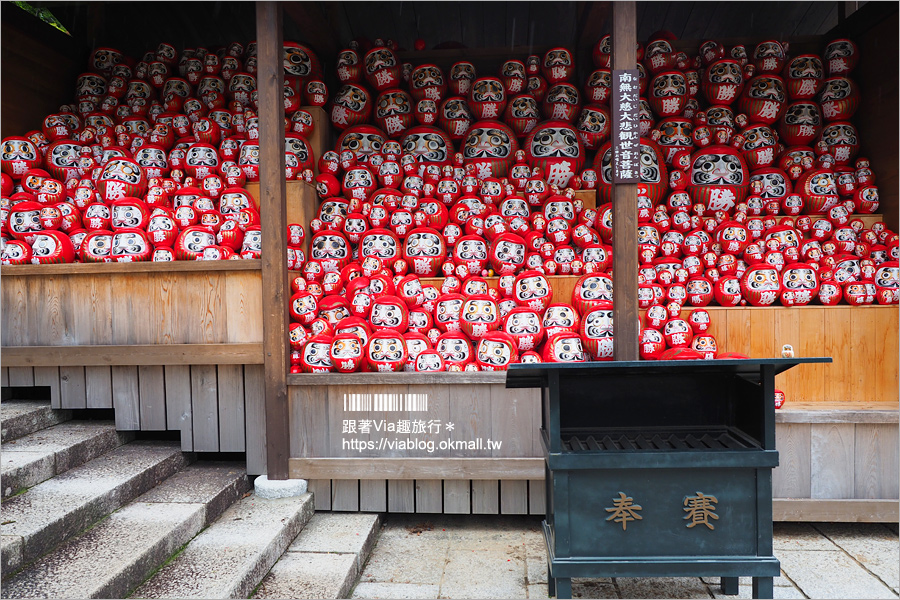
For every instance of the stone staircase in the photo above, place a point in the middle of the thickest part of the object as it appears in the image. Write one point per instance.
(89, 512)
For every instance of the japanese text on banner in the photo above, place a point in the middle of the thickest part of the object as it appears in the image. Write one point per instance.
(626, 146)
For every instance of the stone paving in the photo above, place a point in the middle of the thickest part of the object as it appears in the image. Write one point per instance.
(447, 556)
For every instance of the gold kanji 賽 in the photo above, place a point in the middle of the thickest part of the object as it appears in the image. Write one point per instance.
(624, 509)
(699, 509)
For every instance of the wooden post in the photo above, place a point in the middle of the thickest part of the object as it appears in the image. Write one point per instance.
(272, 192)
(626, 319)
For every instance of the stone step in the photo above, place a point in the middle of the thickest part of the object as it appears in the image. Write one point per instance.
(326, 558)
(20, 417)
(114, 557)
(231, 557)
(38, 456)
(54, 511)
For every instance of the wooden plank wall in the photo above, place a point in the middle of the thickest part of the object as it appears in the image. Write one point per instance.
(217, 408)
(121, 308)
(317, 423)
(837, 461)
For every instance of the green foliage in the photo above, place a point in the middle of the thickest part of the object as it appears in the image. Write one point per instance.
(43, 14)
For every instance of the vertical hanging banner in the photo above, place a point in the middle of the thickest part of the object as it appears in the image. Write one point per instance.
(626, 137)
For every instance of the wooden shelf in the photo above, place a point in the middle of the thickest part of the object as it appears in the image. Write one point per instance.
(401, 378)
(121, 355)
(178, 266)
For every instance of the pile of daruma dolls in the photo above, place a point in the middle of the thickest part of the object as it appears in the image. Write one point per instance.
(150, 160)
(750, 190)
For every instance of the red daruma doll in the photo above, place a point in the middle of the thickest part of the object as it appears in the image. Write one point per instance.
(316, 355)
(496, 350)
(346, 352)
(386, 352)
(597, 331)
(564, 347)
(479, 315)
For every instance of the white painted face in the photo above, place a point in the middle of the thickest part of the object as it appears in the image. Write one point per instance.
(823, 183)
(840, 133)
(448, 311)
(25, 221)
(426, 147)
(763, 280)
(386, 315)
(803, 113)
(346, 348)
(524, 107)
(888, 277)
(514, 207)
(596, 287)
(233, 203)
(494, 353)
(328, 246)
(559, 316)
(799, 278)
(523, 323)
(563, 209)
(717, 169)
(529, 288)
(296, 61)
(564, 255)
(569, 349)
(766, 88)
(734, 234)
(128, 243)
(847, 270)
(386, 349)
(462, 70)
(428, 361)
(378, 244)
(555, 142)
(63, 155)
(196, 241)
(126, 215)
(453, 349)
(316, 354)
(332, 209)
(201, 156)
(298, 147)
(835, 89)
(252, 241)
(423, 244)
(510, 252)
(698, 286)
(592, 121)
(97, 211)
(479, 311)
(99, 246)
(44, 245)
(669, 84)
(471, 250)
(599, 324)
(724, 72)
(393, 103)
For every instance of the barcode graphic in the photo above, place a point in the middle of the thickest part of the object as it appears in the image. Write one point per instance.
(386, 402)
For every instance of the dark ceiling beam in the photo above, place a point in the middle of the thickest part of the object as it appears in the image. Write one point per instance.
(317, 29)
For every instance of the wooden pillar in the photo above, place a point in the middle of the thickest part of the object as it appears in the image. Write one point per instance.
(626, 319)
(272, 193)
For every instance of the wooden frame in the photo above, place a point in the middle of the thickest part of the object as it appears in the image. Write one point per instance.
(131, 362)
